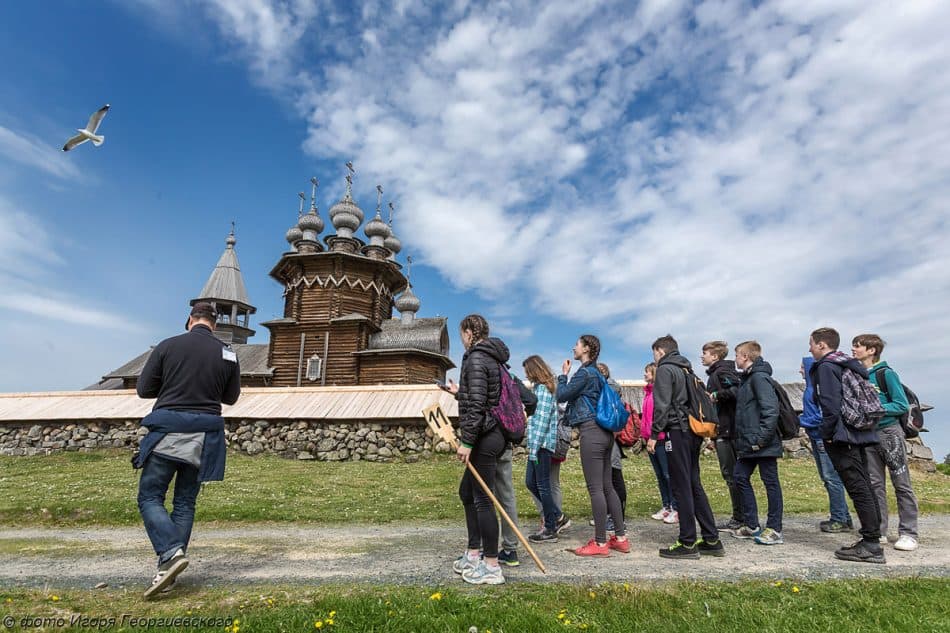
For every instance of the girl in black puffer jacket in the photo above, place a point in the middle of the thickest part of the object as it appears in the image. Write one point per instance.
(481, 444)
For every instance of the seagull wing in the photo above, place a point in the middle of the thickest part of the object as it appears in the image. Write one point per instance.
(96, 119)
(79, 139)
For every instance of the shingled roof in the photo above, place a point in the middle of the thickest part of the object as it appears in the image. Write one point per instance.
(428, 335)
(225, 283)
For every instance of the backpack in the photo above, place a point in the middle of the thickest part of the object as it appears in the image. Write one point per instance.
(701, 411)
(565, 435)
(631, 432)
(860, 405)
(610, 411)
(510, 410)
(787, 417)
(913, 420)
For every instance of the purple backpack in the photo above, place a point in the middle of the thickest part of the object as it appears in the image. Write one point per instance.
(509, 411)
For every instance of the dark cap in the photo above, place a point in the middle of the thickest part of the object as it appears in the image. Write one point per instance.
(203, 310)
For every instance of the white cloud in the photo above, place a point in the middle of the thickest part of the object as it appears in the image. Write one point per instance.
(30, 151)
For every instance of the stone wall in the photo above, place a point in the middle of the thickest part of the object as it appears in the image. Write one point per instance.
(304, 440)
(403, 440)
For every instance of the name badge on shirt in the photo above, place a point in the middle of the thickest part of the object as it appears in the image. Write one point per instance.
(228, 355)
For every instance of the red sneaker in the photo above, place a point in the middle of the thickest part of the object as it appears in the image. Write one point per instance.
(593, 549)
(621, 546)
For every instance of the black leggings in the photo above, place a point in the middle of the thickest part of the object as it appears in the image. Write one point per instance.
(480, 517)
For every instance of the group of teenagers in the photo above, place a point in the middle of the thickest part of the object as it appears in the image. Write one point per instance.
(747, 439)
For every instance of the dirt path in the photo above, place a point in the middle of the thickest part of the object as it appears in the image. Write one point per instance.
(421, 555)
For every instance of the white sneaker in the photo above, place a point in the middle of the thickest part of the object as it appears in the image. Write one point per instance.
(167, 572)
(463, 563)
(671, 518)
(483, 575)
(660, 514)
(883, 539)
(906, 543)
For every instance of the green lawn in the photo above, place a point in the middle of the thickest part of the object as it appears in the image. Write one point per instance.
(99, 489)
(781, 605)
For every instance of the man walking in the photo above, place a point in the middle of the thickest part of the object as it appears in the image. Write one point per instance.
(682, 446)
(190, 375)
(844, 444)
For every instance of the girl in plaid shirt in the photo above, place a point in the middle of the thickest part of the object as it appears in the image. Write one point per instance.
(542, 440)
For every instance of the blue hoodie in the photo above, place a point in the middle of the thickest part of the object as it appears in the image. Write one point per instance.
(811, 415)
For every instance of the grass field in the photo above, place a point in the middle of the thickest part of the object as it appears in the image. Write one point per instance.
(780, 605)
(99, 489)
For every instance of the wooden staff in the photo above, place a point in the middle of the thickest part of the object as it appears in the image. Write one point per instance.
(440, 425)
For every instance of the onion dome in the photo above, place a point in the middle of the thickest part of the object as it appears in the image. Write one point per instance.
(408, 302)
(376, 230)
(311, 222)
(392, 243)
(345, 215)
(294, 235)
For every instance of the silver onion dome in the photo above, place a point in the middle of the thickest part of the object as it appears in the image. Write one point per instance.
(408, 301)
(311, 222)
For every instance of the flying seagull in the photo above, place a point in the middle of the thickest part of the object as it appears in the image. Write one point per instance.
(89, 134)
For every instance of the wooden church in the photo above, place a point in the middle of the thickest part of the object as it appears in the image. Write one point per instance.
(339, 293)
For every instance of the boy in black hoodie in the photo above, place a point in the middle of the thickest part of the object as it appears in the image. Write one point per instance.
(722, 385)
(682, 446)
(843, 444)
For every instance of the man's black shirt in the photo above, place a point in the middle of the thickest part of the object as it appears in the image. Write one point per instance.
(191, 372)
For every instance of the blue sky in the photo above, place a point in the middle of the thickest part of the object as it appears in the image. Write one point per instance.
(714, 169)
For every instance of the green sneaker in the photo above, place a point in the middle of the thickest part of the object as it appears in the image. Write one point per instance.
(710, 548)
(678, 550)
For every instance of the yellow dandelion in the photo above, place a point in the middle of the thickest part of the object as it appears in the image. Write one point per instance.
(777, 583)
(329, 621)
(436, 596)
(592, 595)
(561, 615)
(332, 614)
(626, 586)
(795, 590)
(236, 622)
(567, 622)
(318, 624)
(54, 598)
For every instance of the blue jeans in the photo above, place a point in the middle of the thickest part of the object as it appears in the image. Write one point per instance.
(167, 532)
(538, 481)
(768, 472)
(662, 470)
(828, 474)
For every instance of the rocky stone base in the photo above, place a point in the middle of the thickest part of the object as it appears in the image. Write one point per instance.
(403, 440)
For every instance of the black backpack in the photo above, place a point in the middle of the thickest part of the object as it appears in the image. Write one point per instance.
(913, 421)
(787, 417)
(700, 410)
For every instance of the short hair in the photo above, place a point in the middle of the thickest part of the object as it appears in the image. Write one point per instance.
(603, 369)
(720, 349)
(593, 345)
(752, 349)
(477, 325)
(870, 341)
(666, 343)
(828, 336)
(205, 311)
